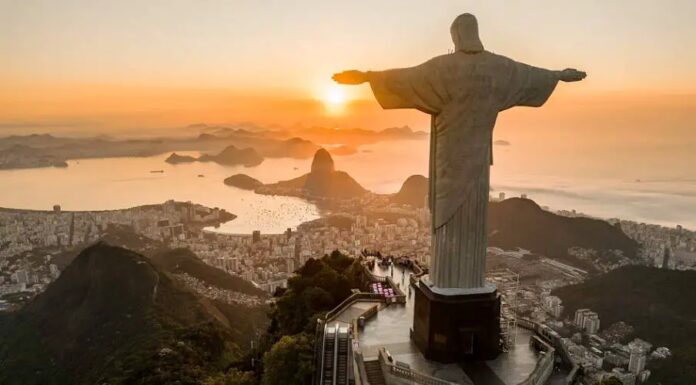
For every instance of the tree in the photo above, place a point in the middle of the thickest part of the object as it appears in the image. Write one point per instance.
(233, 377)
(289, 362)
(319, 286)
(610, 381)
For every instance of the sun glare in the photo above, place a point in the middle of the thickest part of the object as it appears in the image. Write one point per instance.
(334, 98)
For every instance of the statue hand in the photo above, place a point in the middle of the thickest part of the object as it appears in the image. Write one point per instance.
(350, 77)
(571, 75)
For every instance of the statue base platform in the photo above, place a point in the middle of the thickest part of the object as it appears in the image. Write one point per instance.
(455, 325)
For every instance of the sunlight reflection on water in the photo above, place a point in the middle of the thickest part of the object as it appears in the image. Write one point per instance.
(602, 188)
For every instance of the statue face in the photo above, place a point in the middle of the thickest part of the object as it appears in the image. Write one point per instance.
(465, 34)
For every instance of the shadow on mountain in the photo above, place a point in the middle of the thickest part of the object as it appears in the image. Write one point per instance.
(413, 192)
(656, 303)
(113, 317)
(518, 222)
(184, 261)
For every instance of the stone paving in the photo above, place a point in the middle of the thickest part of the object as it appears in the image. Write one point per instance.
(390, 328)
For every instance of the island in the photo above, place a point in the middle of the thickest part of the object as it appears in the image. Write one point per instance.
(321, 183)
(232, 156)
(175, 158)
(243, 181)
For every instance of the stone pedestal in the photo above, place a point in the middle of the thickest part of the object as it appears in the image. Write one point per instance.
(455, 325)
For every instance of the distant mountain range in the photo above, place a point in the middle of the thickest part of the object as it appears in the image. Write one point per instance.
(357, 136)
(351, 137)
(522, 223)
(114, 316)
(230, 156)
(44, 150)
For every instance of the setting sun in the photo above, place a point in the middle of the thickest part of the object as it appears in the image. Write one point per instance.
(335, 95)
(334, 98)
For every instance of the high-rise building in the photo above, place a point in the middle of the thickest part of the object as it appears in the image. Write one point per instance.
(580, 317)
(591, 323)
(666, 255)
(636, 362)
(588, 320)
(256, 236)
(290, 265)
(639, 350)
(553, 306)
(22, 276)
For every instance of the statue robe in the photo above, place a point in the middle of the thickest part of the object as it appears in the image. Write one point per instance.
(463, 93)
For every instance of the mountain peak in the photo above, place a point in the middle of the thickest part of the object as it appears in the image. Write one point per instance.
(413, 191)
(111, 309)
(322, 162)
(96, 272)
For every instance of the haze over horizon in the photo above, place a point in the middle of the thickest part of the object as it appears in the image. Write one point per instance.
(152, 69)
(81, 67)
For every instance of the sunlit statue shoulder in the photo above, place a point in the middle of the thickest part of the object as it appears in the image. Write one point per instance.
(463, 92)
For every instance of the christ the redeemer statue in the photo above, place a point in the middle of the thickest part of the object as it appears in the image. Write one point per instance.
(463, 92)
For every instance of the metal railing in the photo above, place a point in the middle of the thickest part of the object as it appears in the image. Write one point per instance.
(400, 296)
(404, 372)
(416, 377)
(373, 277)
(542, 370)
(350, 300)
(544, 365)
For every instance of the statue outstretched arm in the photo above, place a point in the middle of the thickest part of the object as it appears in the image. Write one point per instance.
(352, 77)
(570, 75)
(412, 87)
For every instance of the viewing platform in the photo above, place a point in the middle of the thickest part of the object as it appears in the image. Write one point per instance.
(381, 350)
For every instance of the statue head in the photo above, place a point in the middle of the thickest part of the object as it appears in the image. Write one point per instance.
(465, 34)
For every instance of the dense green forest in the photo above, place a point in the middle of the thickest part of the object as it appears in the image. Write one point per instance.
(658, 303)
(319, 286)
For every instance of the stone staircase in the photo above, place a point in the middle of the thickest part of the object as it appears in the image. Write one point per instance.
(374, 373)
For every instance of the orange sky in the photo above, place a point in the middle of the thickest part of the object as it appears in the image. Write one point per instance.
(97, 67)
(609, 118)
